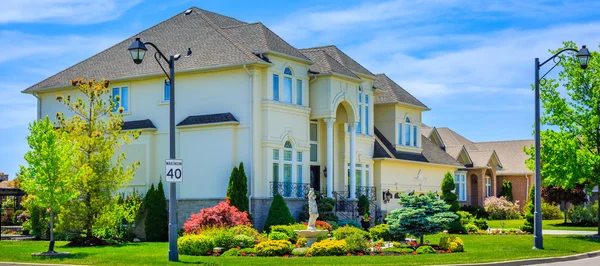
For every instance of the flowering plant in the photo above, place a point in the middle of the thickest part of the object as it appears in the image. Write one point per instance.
(501, 209)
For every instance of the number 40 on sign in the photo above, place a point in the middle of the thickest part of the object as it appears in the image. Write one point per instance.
(174, 170)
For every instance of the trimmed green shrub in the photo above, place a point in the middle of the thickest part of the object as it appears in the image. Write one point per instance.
(157, 216)
(582, 215)
(346, 231)
(301, 241)
(380, 231)
(356, 243)
(223, 239)
(237, 191)
(278, 236)
(448, 194)
(399, 250)
(551, 212)
(243, 241)
(425, 250)
(195, 245)
(477, 211)
(334, 224)
(465, 217)
(471, 228)
(352, 223)
(481, 224)
(288, 230)
(279, 214)
(325, 207)
(528, 227)
(300, 251)
(456, 227)
(230, 253)
(273, 248)
(452, 243)
(328, 247)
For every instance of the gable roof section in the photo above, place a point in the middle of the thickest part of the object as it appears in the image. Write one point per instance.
(200, 31)
(342, 58)
(431, 152)
(393, 93)
(452, 138)
(258, 38)
(485, 158)
(324, 63)
(511, 155)
(138, 124)
(208, 119)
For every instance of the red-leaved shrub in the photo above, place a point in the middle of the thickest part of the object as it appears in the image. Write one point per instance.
(222, 215)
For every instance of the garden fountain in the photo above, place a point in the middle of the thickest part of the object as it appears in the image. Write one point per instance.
(311, 233)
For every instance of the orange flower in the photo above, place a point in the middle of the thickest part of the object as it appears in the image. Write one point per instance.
(348, 254)
(414, 253)
(449, 251)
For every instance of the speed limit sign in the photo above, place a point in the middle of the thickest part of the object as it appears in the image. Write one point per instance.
(174, 170)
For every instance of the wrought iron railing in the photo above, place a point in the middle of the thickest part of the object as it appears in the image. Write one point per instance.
(370, 192)
(290, 189)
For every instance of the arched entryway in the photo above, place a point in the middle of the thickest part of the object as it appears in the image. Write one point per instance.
(344, 121)
(473, 199)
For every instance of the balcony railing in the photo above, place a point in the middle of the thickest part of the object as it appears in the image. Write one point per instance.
(290, 189)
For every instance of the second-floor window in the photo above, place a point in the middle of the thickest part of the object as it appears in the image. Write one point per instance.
(314, 142)
(299, 92)
(167, 91)
(287, 85)
(360, 95)
(275, 87)
(122, 93)
(366, 114)
(408, 133)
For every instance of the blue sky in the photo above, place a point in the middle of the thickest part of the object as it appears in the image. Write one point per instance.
(471, 62)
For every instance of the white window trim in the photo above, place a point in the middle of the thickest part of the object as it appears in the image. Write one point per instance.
(488, 186)
(281, 82)
(317, 162)
(462, 182)
(164, 88)
(401, 130)
(281, 162)
(128, 111)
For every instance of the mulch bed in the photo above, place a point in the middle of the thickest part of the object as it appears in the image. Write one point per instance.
(88, 242)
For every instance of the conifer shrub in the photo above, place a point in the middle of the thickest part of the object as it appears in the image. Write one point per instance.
(448, 194)
(237, 191)
(279, 214)
(507, 190)
(157, 216)
(528, 227)
(363, 205)
(221, 215)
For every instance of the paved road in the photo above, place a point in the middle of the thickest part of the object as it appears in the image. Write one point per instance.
(591, 261)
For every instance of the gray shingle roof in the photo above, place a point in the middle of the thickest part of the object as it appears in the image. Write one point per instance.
(138, 124)
(431, 152)
(511, 155)
(451, 138)
(201, 31)
(393, 93)
(342, 58)
(324, 63)
(260, 38)
(207, 119)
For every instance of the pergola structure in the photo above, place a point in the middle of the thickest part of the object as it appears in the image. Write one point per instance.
(11, 192)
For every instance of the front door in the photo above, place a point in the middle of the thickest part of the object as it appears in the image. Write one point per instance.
(315, 177)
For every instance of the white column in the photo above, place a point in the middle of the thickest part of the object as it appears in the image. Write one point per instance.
(363, 178)
(329, 122)
(352, 185)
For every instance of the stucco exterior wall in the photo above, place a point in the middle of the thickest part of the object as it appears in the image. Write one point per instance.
(401, 177)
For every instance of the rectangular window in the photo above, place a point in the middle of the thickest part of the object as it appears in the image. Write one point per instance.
(313, 153)
(366, 119)
(299, 189)
(167, 91)
(287, 90)
(461, 186)
(275, 173)
(359, 119)
(299, 92)
(123, 101)
(299, 156)
(276, 154)
(415, 136)
(287, 180)
(488, 186)
(366, 98)
(314, 132)
(275, 87)
(399, 134)
(287, 156)
(407, 135)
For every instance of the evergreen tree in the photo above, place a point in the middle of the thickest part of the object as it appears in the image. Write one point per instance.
(157, 216)
(507, 190)
(528, 227)
(279, 214)
(363, 205)
(448, 194)
(237, 191)
(421, 215)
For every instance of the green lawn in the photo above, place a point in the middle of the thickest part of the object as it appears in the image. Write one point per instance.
(479, 248)
(546, 225)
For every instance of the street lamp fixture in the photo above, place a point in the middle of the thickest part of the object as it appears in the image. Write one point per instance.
(583, 57)
(138, 51)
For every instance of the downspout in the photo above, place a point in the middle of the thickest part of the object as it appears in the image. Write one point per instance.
(250, 183)
(527, 186)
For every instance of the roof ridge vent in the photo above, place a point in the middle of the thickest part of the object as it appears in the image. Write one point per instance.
(187, 12)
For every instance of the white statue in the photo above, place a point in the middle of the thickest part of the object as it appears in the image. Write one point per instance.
(313, 211)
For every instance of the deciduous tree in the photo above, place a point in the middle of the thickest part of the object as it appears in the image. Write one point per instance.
(560, 196)
(49, 176)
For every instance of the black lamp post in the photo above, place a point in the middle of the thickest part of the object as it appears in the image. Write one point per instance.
(583, 56)
(138, 51)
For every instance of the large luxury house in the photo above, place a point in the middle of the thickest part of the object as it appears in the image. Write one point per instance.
(296, 118)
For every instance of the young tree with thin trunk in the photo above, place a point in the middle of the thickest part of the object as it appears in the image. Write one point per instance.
(49, 176)
(95, 127)
(570, 152)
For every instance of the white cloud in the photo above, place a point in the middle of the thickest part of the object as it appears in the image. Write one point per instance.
(63, 11)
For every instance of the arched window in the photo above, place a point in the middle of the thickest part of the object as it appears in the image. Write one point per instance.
(287, 187)
(287, 85)
(488, 186)
(408, 133)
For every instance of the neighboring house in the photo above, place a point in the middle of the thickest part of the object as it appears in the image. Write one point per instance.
(487, 165)
(3, 177)
(296, 118)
